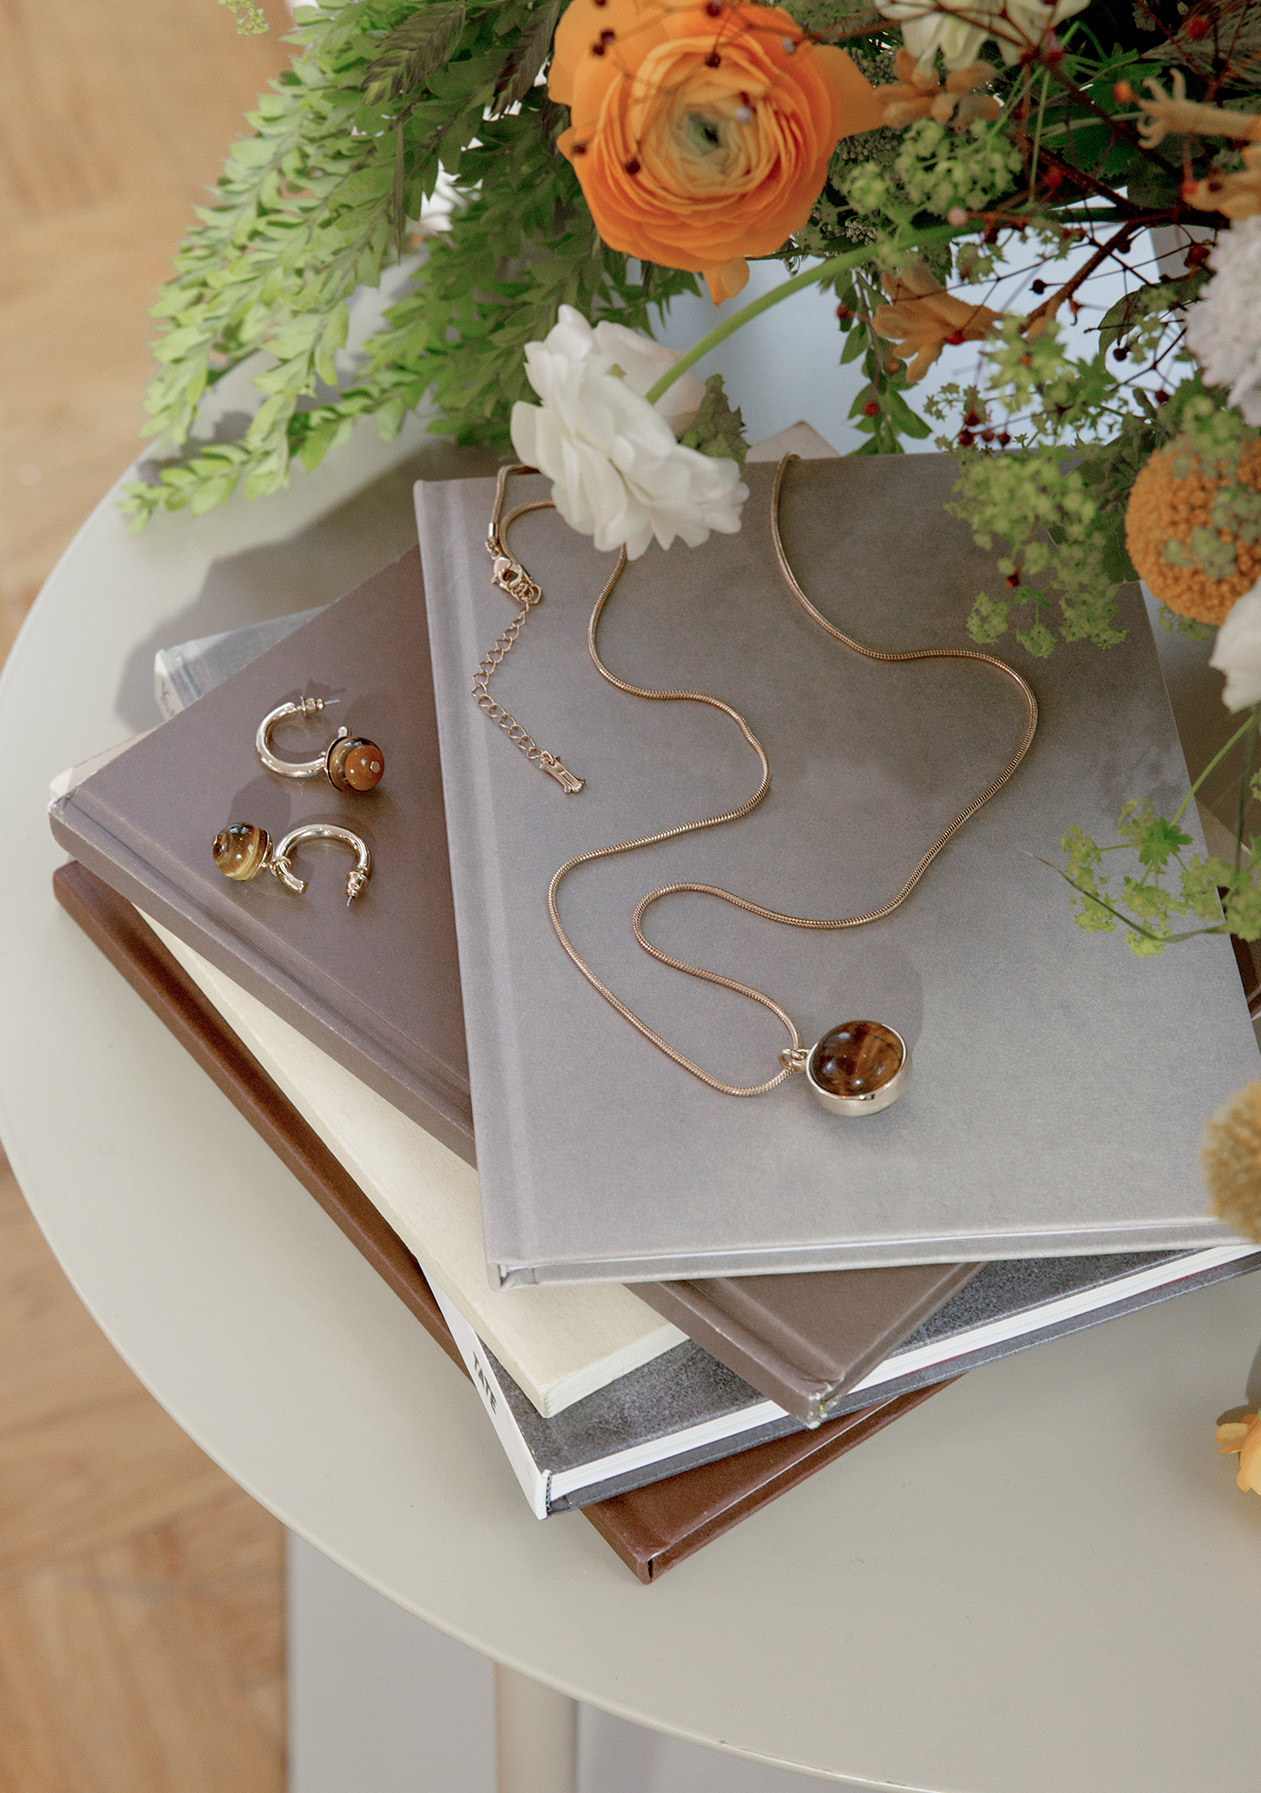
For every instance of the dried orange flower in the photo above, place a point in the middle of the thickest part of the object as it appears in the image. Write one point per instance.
(917, 93)
(701, 130)
(922, 318)
(1242, 1435)
(1236, 195)
(1175, 112)
(1171, 500)
(1230, 1162)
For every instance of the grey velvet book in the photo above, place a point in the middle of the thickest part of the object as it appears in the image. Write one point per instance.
(1060, 1082)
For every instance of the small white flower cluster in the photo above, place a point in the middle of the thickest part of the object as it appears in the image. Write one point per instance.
(618, 473)
(958, 28)
(1224, 324)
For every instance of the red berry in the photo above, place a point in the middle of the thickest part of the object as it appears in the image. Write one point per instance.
(1162, 397)
(1003, 438)
(843, 312)
(632, 167)
(713, 60)
(1123, 93)
(1197, 28)
(1053, 178)
(956, 337)
(1012, 579)
(871, 408)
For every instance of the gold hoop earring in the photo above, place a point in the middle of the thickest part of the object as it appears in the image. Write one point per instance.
(349, 762)
(244, 851)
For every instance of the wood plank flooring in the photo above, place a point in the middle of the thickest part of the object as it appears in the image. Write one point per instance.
(141, 1592)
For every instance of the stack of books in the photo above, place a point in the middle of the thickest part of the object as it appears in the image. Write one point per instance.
(672, 1305)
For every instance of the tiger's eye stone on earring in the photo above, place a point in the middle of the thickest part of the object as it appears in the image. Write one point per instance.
(355, 765)
(241, 851)
(857, 1058)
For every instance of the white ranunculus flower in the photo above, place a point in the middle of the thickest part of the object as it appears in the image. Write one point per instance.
(617, 472)
(1237, 651)
(958, 28)
(1224, 323)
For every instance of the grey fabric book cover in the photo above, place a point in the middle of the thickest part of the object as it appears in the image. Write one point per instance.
(1060, 1082)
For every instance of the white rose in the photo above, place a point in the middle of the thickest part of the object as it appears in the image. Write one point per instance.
(617, 472)
(1224, 323)
(958, 28)
(1237, 651)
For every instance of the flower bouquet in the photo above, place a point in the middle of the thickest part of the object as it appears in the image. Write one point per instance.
(1099, 160)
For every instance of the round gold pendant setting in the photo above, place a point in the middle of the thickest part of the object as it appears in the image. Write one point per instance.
(859, 1067)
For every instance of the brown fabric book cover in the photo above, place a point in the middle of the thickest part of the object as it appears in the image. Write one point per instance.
(144, 823)
(650, 1528)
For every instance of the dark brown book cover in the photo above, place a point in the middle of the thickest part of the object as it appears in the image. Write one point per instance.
(650, 1528)
(394, 1017)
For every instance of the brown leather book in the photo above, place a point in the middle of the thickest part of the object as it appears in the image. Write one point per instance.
(650, 1528)
(144, 823)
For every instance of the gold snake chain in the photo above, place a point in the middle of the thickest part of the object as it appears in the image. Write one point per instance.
(793, 1058)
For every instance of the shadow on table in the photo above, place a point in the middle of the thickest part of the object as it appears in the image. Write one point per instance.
(321, 561)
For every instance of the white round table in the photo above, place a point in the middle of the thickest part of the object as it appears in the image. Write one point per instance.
(1042, 1581)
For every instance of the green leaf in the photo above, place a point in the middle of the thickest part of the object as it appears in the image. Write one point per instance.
(1037, 640)
(1159, 841)
(716, 429)
(421, 44)
(526, 59)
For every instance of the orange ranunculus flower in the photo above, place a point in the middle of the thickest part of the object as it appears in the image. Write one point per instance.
(701, 130)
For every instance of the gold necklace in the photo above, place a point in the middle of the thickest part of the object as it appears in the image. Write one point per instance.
(857, 1067)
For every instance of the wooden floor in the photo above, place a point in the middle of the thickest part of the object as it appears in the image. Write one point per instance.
(141, 1596)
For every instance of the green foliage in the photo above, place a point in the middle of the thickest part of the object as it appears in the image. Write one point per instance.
(934, 170)
(413, 50)
(1223, 898)
(381, 97)
(251, 21)
(717, 429)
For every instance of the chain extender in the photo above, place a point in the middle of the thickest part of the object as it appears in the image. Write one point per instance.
(511, 577)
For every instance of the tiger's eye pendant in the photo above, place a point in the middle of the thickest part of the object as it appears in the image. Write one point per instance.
(859, 1067)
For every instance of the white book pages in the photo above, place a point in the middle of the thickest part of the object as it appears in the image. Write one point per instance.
(558, 1344)
(481, 1371)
